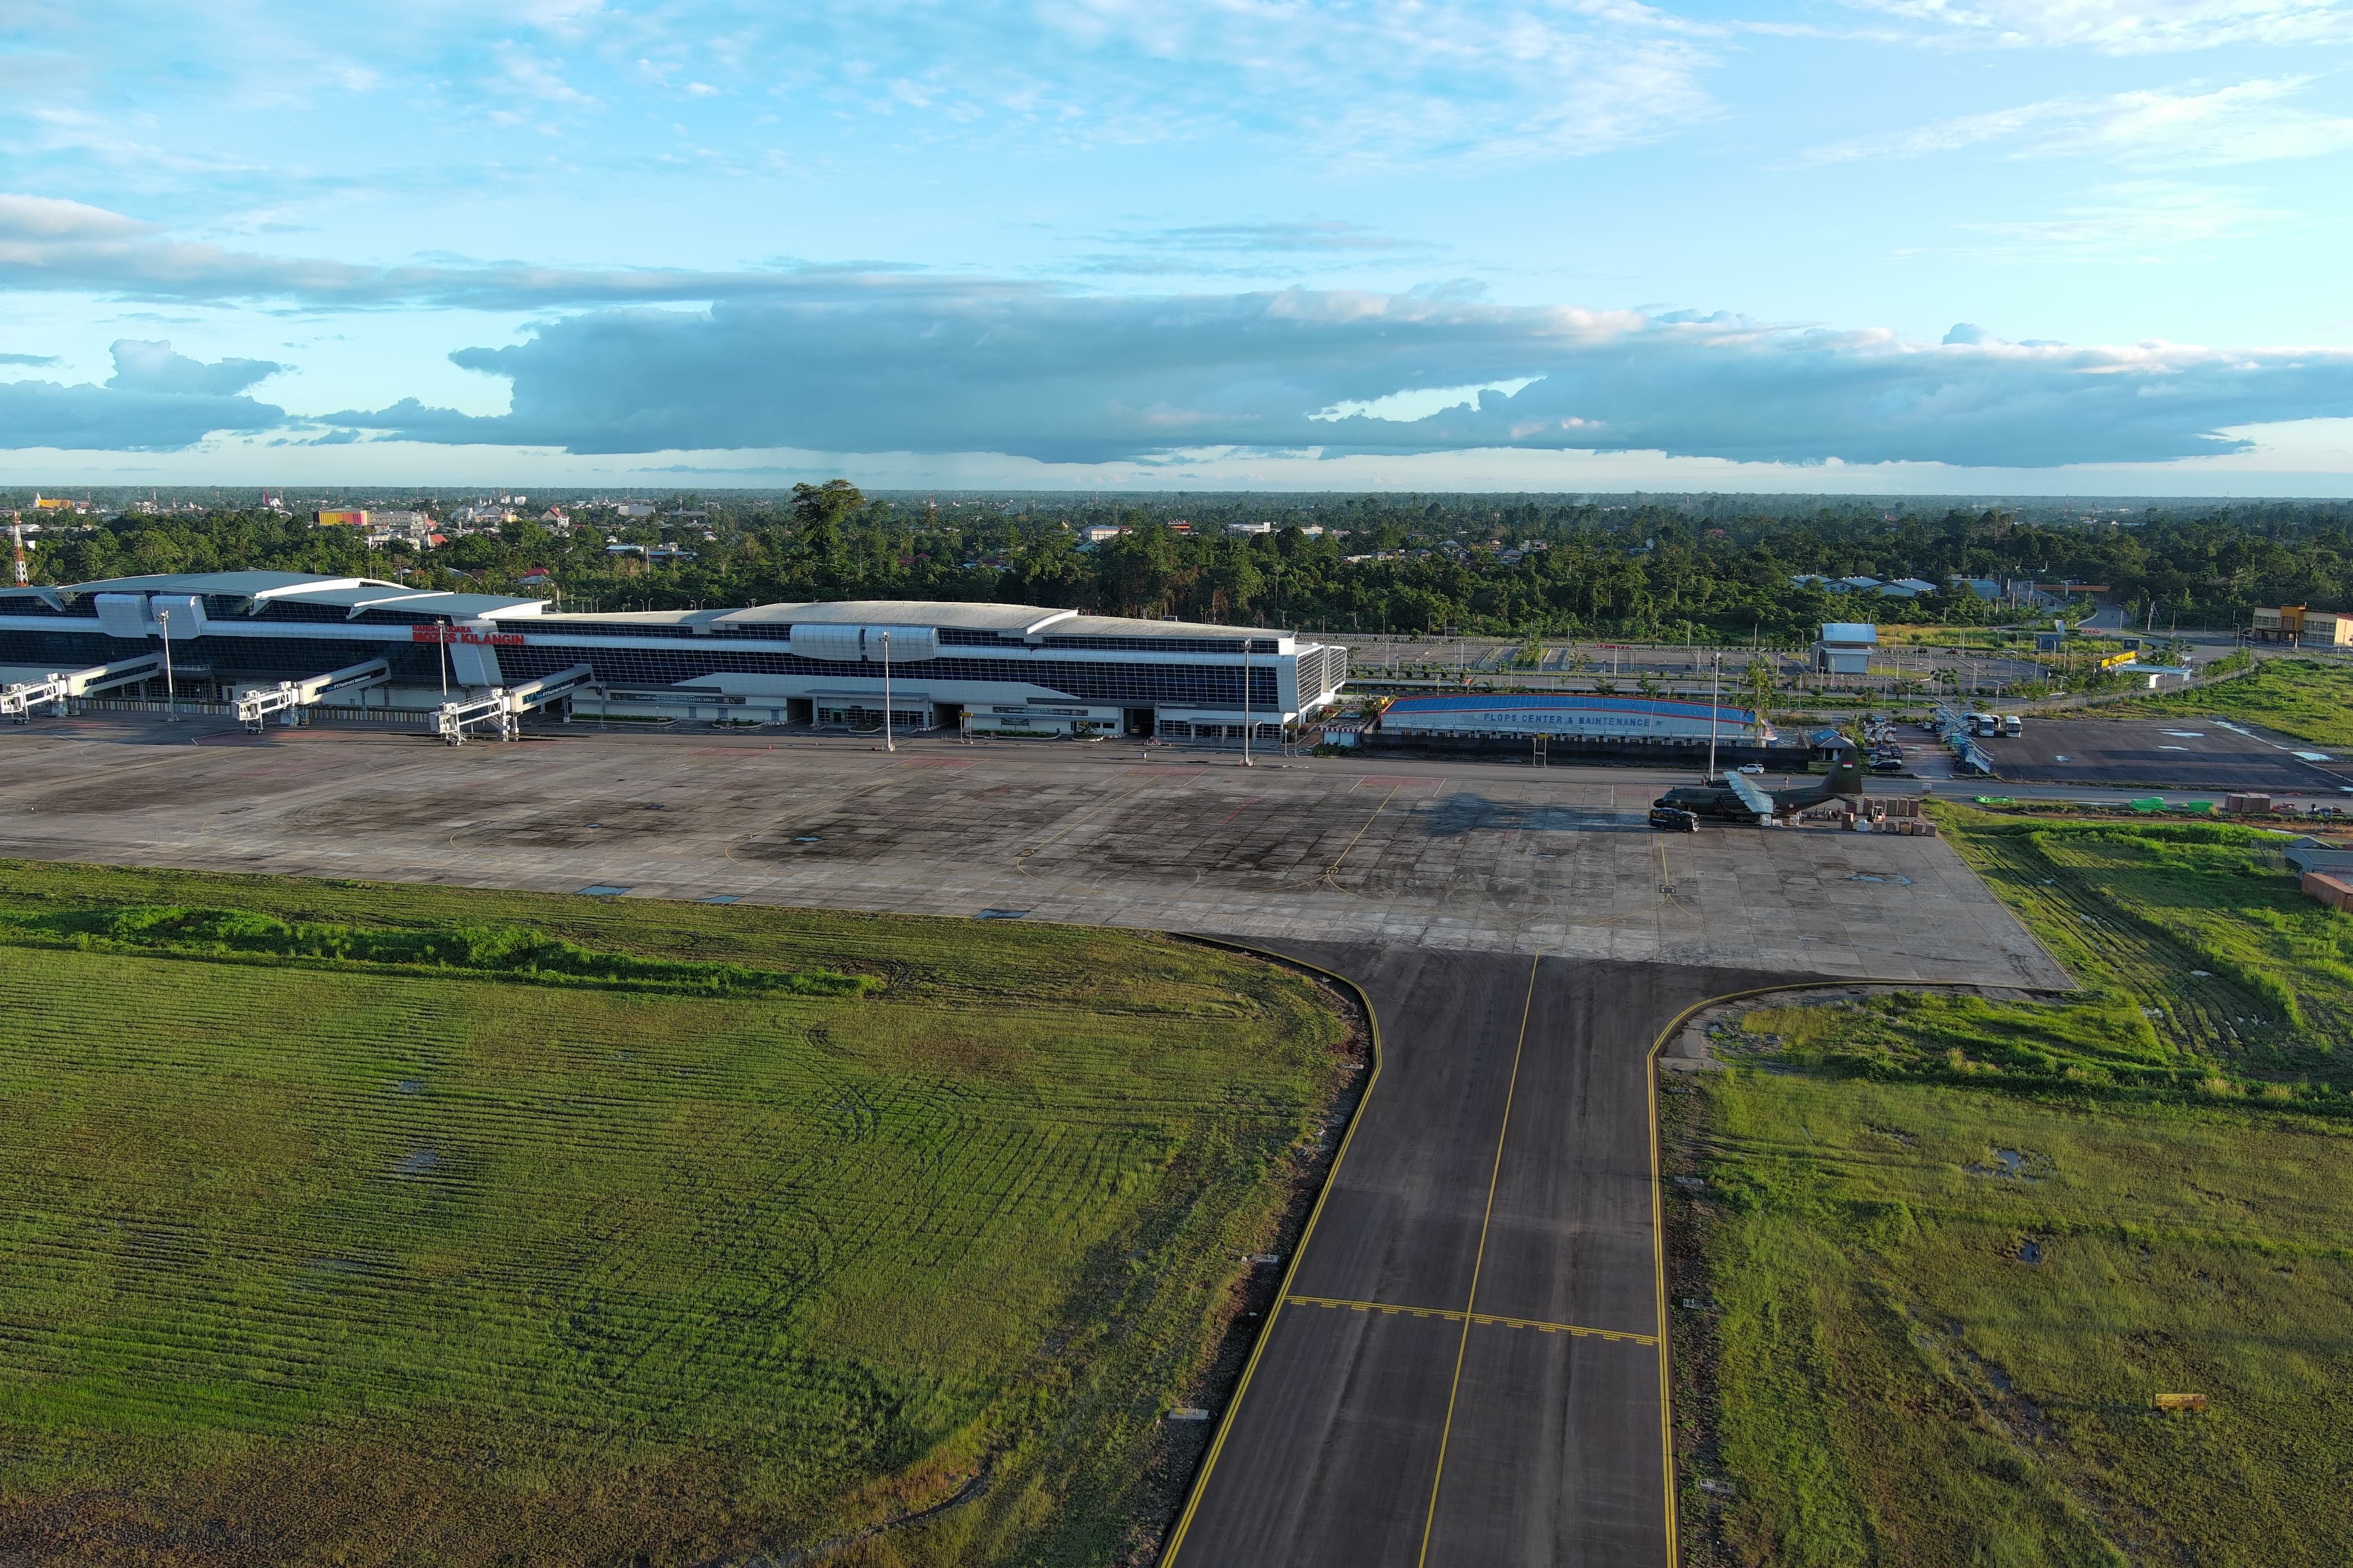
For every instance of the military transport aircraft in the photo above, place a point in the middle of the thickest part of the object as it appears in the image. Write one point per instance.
(1734, 798)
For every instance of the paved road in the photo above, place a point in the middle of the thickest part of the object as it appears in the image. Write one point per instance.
(1499, 1188)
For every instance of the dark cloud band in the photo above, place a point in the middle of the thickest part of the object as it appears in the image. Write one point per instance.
(1067, 378)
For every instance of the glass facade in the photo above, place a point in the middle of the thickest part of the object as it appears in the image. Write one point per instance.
(1137, 685)
(290, 637)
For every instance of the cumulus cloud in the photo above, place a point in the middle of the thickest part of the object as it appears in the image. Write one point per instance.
(140, 366)
(1061, 377)
(156, 401)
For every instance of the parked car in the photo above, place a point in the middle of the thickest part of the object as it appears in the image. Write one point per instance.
(1674, 819)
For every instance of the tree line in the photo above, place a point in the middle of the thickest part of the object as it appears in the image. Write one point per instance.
(1468, 564)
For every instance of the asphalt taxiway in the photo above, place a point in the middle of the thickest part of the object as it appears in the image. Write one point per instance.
(1467, 1367)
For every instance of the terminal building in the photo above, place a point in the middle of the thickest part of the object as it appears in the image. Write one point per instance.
(1004, 669)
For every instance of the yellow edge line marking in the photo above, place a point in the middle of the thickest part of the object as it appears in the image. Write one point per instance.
(1478, 1259)
(1331, 1180)
(1495, 1319)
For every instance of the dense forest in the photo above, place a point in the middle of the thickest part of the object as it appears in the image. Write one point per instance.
(1472, 564)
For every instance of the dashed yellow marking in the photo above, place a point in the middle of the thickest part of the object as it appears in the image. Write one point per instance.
(1494, 1320)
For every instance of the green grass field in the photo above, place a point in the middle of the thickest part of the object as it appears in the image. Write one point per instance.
(1949, 1249)
(2302, 698)
(363, 1225)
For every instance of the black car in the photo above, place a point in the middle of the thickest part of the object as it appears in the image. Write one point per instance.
(1674, 819)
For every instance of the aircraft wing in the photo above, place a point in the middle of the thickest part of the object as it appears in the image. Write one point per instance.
(1751, 796)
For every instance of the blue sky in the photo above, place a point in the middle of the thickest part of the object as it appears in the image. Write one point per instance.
(2089, 246)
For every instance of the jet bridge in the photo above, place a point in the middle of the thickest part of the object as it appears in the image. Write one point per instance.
(504, 705)
(18, 702)
(289, 698)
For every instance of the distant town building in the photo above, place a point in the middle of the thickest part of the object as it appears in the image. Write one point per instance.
(383, 526)
(2298, 623)
(340, 516)
(1845, 649)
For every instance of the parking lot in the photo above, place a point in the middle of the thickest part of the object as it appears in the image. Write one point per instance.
(2146, 753)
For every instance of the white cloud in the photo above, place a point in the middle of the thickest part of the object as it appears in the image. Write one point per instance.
(522, 72)
(2124, 27)
(2147, 220)
(2246, 122)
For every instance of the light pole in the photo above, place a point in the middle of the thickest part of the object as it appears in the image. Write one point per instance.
(1714, 706)
(888, 743)
(171, 694)
(441, 657)
(1246, 718)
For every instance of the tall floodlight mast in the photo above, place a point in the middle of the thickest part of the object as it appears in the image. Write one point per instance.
(1246, 718)
(171, 693)
(1714, 706)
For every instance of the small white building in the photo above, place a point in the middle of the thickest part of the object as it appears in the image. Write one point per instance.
(1845, 649)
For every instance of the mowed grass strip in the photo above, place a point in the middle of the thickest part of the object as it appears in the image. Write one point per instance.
(309, 1261)
(1937, 1319)
(1947, 1249)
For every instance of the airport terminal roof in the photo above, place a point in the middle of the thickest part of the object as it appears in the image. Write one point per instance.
(352, 594)
(1005, 620)
(358, 593)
